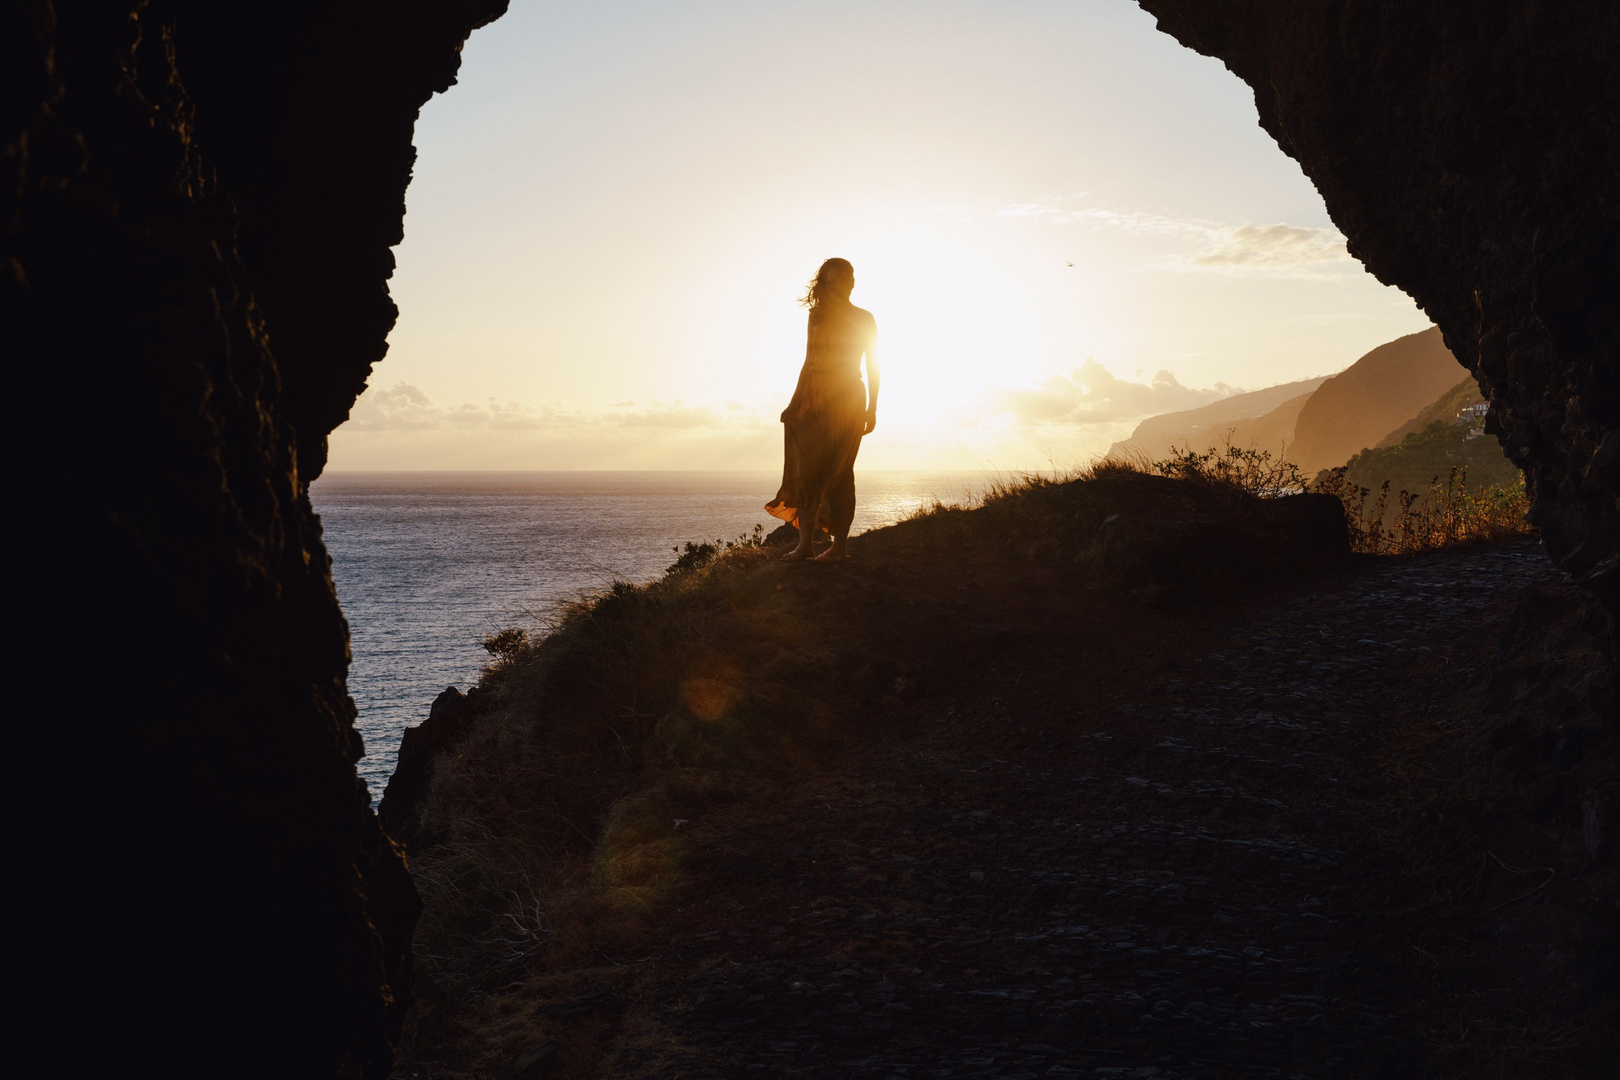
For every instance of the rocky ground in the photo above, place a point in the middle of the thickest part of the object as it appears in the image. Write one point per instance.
(1223, 856)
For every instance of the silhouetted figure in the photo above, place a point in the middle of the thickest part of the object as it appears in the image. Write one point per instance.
(830, 411)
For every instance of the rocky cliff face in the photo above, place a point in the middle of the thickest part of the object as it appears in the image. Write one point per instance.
(1470, 150)
(197, 203)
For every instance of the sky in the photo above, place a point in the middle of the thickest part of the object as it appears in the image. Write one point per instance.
(1063, 221)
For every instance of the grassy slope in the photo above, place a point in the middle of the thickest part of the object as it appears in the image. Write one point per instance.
(575, 818)
(652, 704)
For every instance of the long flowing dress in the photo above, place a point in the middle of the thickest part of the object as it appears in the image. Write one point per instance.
(823, 424)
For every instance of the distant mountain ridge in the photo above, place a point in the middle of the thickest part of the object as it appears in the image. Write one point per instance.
(1231, 417)
(1372, 397)
(1317, 423)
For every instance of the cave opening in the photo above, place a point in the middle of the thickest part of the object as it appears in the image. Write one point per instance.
(200, 207)
(609, 220)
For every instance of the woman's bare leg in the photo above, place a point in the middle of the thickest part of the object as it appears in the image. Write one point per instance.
(807, 530)
(841, 503)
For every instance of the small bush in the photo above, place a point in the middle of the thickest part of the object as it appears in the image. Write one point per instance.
(697, 554)
(507, 645)
(1254, 471)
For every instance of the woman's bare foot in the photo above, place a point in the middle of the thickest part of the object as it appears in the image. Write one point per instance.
(836, 553)
(799, 554)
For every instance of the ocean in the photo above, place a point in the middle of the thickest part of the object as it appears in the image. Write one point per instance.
(428, 564)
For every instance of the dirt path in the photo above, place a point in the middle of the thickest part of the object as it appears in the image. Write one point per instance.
(1174, 883)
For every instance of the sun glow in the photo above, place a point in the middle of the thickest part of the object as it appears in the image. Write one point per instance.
(951, 327)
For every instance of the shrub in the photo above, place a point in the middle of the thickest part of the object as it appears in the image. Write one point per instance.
(507, 645)
(697, 554)
(1447, 514)
(1254, 471)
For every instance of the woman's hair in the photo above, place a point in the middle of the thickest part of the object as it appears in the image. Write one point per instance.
(818, 289)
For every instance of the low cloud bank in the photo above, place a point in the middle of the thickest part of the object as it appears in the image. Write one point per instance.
(404, 407)
(1276, 250)
(1065, 419)
(1092, 394)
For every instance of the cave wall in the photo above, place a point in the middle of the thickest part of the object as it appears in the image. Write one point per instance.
(1470, 151)
(197, 202)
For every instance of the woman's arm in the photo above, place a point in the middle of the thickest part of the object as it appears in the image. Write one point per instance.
(796, 402)
(874, 379)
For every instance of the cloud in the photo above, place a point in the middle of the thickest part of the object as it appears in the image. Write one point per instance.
(1091, 394)
(404, 407)
(1259, 248)
(1250, 250)
(669, 416)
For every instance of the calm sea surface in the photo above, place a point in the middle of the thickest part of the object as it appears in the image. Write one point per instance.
(429, 564)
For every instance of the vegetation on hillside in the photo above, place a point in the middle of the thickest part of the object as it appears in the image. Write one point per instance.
(1438, 510)
(1257, 472)
(1447, 513)
(1447, 407)
(1430, 452)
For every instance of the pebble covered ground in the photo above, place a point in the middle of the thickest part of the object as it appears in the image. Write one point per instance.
(1172, 886)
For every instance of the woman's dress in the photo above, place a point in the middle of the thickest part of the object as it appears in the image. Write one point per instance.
(823, 424)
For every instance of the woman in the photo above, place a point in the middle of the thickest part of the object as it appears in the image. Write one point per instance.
(830, 411)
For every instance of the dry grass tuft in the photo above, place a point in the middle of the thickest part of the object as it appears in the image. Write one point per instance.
(1447, 514)
(1245, 469)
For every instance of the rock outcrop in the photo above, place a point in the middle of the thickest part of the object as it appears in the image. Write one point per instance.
(449, 721)
(1175, 541)
(197, 202)
(1470, 151)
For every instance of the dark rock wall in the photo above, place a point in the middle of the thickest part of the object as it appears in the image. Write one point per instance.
(1470, 150)
(197, 201)
(449, 722)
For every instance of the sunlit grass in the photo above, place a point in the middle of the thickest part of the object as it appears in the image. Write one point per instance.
(1448, 514)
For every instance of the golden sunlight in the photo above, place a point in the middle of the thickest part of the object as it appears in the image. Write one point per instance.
(951, 326)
